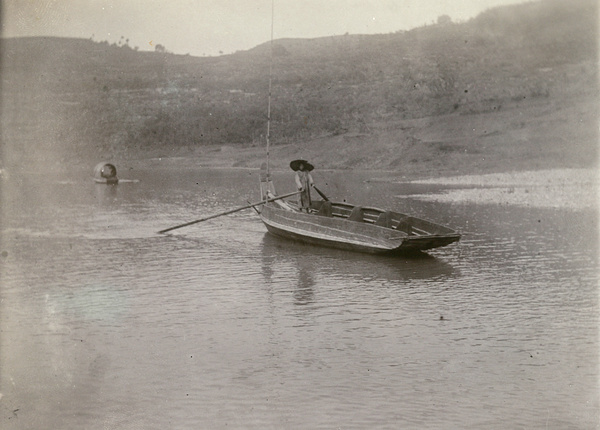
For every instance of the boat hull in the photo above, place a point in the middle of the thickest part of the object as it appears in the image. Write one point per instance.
(106, 181)
(342, 233)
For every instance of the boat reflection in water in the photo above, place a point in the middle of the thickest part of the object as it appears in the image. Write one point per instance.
(313, 262)
(105, 196)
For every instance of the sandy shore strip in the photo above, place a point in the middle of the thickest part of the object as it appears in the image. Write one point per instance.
(558, 188)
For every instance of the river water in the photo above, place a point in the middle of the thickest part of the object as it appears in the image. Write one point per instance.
(108, 325)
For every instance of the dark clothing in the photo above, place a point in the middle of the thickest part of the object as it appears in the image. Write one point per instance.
(304, 181)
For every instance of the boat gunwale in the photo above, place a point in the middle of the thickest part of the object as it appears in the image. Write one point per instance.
(364, 236)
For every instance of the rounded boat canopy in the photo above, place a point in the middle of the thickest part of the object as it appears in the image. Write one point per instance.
(106, 173)
(105, 170)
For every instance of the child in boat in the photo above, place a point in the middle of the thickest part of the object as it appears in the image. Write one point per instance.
(304, 181)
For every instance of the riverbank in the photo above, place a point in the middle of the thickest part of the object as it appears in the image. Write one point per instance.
(536, 135)
(533, 136)
(557, 188)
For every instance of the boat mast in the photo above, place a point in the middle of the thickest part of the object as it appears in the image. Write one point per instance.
(270, 86)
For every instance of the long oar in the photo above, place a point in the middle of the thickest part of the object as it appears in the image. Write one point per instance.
(320, 193)
(229, 212)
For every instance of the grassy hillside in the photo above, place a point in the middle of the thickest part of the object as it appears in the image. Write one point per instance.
(516, 84)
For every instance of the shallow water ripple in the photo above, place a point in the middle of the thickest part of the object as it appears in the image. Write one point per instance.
(220, 325)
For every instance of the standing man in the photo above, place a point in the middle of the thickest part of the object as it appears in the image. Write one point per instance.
(304, 181)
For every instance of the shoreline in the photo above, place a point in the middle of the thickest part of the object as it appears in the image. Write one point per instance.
(555, 188)
(535, 135)
(575, 189)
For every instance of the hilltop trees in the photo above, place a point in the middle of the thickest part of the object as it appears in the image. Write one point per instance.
(444, 19)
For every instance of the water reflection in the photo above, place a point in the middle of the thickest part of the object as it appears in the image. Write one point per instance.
(304, 293)
(311, 261)
(105, 194)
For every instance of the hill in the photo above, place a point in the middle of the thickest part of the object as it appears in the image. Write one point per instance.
(514, 86)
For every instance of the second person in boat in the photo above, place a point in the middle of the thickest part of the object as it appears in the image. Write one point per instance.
(304, 181)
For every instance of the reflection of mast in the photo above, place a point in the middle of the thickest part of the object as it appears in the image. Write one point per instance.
(304, 293)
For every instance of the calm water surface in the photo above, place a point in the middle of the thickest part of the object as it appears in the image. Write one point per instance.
(108, 325)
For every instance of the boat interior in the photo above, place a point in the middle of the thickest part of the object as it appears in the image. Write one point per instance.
(378, 217)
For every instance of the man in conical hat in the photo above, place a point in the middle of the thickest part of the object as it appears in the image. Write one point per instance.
(304, 181)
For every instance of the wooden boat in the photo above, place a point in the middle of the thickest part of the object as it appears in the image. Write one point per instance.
(351, 227)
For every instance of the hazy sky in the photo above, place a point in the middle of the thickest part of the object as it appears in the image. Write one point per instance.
(206, 27)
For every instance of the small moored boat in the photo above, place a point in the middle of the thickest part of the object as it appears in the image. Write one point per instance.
(105, 173)
(351, 227)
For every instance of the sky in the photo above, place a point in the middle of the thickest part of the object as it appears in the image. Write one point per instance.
(212, 27)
